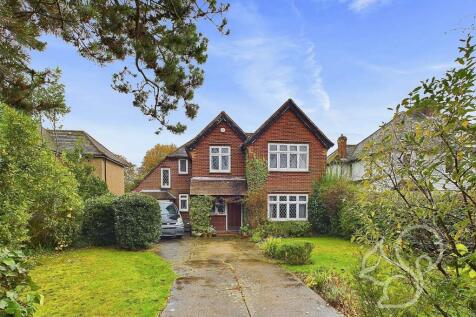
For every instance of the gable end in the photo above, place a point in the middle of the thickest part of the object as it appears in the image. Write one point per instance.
(291, 106)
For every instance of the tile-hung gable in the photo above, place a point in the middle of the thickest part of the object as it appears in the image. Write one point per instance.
(213, 163)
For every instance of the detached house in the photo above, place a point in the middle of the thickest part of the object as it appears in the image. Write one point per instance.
(213, 163)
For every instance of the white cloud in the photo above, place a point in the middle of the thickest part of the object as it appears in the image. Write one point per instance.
(270, 67)
(360, 5)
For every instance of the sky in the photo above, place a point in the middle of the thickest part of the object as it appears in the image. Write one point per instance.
(344, 62)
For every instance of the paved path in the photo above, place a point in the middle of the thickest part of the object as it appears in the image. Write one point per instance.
(230, 277)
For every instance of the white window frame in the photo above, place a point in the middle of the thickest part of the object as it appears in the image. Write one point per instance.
(186, 167)
(288, 157)
(220, 155)
(162, 185)
(183, 197)
(287, 203)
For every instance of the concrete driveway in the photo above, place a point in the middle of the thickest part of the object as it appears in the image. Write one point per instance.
(230, 277)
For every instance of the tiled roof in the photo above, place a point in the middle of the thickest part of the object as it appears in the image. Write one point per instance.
(291, 106)
(354, 151)
(64, 140)
(218, 186)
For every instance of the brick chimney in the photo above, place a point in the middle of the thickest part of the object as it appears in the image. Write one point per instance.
(342, 146)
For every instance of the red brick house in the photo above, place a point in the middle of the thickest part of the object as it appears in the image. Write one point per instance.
(213, 163)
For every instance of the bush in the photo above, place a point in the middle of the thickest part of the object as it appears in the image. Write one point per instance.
(336, 290)
(137, 221)
(199, 213)
(89, 185)
(98, 221)
(290, 252)
(326, 203)
(17, 296)
(39, 201)
(256, 204)
(282, 229)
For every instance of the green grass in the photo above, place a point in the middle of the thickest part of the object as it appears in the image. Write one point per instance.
(330, 253)
(103, 282)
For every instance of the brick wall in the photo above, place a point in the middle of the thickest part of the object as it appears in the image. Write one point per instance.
(289, 129)
(180, 184)
(201, 153)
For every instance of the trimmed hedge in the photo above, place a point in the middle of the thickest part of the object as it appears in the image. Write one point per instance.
(98, 221)
(290, 252)
(137, 221)
(282, 229)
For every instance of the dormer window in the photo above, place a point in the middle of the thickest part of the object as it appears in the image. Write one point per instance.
(220, 159)
(183, 166)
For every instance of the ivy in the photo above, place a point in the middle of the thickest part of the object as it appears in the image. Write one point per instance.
(256, 174)
(200, 207)
(256, 200)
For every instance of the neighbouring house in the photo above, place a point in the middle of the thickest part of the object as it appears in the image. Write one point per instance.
(344, 161)
(108, 166)
(213, 163)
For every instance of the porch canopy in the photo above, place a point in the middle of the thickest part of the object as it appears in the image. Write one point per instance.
(218, 186)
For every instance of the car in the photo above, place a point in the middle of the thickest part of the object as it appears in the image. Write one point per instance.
(172, 223)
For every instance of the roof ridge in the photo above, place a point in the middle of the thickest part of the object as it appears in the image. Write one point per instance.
(291, 105)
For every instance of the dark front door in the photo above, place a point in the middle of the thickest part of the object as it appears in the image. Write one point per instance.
(234, 216)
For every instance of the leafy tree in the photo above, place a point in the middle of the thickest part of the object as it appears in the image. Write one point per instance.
(39, 201)
(131, 175)
(422, 178)
(154, 156)
(159, 38)
(89, 185)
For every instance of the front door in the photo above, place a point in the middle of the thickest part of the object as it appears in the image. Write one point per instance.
(234, 216)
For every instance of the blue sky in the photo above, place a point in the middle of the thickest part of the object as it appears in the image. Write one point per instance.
(343, 61)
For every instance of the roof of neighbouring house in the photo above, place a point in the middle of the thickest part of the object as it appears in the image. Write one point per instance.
(63, 140)
(221, 186)
(355, 150)
(291, 106)
(159, 194)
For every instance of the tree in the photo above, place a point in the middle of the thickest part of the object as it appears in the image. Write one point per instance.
(131, 175)
(39, 201)
(421, 199)
(154, 156)
(160, 39)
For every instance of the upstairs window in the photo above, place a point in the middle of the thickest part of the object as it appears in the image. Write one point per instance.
(288, 157)
(220, 159)
(183, 166)
(165, 177)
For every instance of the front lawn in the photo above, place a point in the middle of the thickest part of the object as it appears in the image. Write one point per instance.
(103, 282)
(329, 253)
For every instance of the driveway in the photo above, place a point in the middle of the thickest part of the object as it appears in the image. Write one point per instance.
(230, 277)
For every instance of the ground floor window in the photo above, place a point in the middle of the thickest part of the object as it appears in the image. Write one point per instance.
(287, 207)
(183, 202)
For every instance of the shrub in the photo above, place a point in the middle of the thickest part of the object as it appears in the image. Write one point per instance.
(199, 213)
(98, 220)
(137, 221)
(326, 203)
(290, 252)
(283, 229)
(256, 204)
(89, 185)
(336, 289)
(39, 200)
(17, 296)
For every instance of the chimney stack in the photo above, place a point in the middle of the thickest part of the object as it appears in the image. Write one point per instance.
(342, 146)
